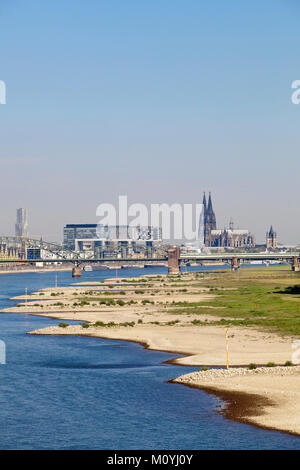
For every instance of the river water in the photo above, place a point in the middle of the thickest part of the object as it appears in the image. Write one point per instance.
(61, 392)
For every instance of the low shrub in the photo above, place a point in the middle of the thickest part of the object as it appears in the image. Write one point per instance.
(173, 322)
(197, 322)
(127, 323)
(63, 325)
(107, 301)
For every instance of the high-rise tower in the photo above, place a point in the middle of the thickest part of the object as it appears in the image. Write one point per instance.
(21, 227)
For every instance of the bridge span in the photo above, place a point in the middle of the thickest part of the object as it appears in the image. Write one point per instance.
(173, 256)
(174, 262)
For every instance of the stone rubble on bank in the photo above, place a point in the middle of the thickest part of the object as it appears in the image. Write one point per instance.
(212, 375)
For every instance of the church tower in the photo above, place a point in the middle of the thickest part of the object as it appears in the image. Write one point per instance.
(271, 239)
(209, 219)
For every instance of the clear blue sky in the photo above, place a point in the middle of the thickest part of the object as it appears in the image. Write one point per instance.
(155, 99)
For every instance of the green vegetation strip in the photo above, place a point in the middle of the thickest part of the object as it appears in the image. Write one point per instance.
(264, 298)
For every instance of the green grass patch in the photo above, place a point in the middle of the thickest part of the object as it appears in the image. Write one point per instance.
(250, 298)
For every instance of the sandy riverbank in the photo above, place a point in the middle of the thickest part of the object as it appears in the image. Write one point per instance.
(153, 307)
(200, 345)
(157, 312)
(267, 397)
(35, 270)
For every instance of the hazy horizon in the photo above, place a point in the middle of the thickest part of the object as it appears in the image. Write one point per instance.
(156, 100)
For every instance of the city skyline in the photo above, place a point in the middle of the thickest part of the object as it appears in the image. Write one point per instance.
(154, 101)
(206, 224)
(150, 232)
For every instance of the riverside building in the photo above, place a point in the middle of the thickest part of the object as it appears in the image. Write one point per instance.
(112, 241)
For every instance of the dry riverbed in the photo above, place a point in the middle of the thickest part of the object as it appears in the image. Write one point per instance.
(159, 312)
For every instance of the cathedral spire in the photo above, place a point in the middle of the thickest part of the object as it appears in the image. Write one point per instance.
(209, 221)
(204, 201)
(209, 206)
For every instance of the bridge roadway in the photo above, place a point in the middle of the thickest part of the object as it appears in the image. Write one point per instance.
(234, 258)
(174, 261)
(173, 256)
(63, 254)
(80, 260)
(241, 256)
(183, 258)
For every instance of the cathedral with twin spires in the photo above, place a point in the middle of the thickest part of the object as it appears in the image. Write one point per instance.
(227, 238)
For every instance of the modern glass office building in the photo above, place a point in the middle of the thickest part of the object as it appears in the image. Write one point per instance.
(78, 236)
(78, 231)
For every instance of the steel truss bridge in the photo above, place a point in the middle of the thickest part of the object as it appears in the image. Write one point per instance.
(58, 253)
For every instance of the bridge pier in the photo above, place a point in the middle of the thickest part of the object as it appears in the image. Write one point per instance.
(235, 264)
(173, 260)
(76, 271)
(295, 263)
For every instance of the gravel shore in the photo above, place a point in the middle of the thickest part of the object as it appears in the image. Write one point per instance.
(268, 397)
(216, 375)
